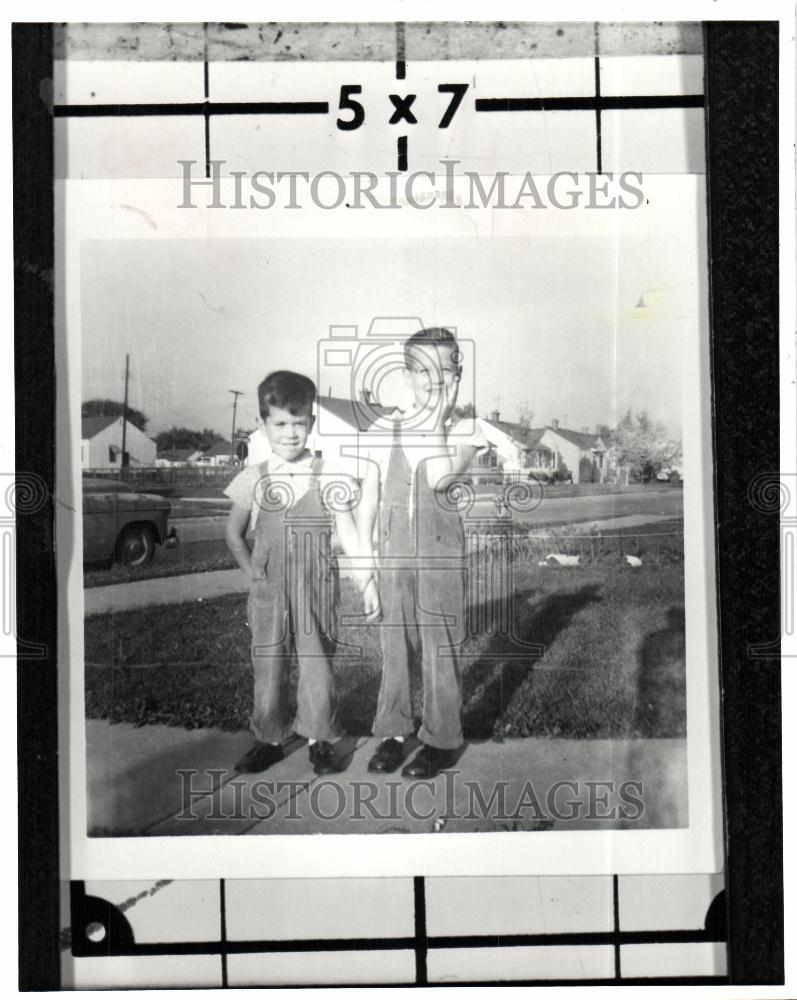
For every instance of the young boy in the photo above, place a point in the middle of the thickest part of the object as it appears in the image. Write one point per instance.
(293, 576)
(422, 549)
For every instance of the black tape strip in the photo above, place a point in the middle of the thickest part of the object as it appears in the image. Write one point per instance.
(197, 108)
(639, 103)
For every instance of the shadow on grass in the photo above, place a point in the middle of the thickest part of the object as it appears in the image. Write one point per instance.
(490, 680)
(661, 680)
(493, 678)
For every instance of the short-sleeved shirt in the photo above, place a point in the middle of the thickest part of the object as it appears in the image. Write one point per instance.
(246, 489)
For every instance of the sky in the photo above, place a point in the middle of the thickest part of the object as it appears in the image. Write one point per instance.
(576, 330)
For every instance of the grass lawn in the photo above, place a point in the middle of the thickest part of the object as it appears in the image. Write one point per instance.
(198, 557)
(594, 651)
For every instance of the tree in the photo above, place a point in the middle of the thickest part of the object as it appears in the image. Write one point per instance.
(184, 437)
(605, 432)
(525, 418)
(465, 412)
(113, 408)
(642, 446)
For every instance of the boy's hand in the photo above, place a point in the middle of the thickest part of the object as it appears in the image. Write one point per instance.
(450, 393)
(371, 604)
(442, 401)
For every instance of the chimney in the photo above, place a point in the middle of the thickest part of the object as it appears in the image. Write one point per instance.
(495, 416)
(555, 424)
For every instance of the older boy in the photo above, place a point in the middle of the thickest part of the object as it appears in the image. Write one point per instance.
(293, 591)
(422, 549)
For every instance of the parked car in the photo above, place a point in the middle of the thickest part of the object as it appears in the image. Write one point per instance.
(669, 476)
(122, 525)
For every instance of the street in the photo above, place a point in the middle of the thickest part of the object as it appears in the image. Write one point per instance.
(552, 510)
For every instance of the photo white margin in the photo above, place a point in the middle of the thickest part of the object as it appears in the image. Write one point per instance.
(85, 210)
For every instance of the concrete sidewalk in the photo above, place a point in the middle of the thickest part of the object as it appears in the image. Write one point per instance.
(217, 583)
(135, 787)
(164, 590)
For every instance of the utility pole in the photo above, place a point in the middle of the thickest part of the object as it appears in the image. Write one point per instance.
(124, 413)
(235, 394)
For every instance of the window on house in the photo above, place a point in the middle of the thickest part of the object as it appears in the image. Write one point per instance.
(112, 455)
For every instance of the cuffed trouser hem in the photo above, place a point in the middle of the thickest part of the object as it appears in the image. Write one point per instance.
(384, 732)
(440, 742)
(270, 735)
(326, 733)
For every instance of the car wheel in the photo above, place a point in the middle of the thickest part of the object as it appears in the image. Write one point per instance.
(136, 545)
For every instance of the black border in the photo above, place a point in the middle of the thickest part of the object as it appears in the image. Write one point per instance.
(34, 371)
(742, 152)
(742, 133)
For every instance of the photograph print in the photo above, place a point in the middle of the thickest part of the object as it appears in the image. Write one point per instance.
(394, 481)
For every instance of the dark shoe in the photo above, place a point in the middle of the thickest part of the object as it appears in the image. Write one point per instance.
(259, 757)
(429, 762)
(387, 757)
(322, 757)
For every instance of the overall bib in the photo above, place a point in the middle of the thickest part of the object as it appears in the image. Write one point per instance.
(292, 609)
(423, 606)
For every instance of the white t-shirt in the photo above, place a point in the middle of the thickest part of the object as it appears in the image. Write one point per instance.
(291, 481)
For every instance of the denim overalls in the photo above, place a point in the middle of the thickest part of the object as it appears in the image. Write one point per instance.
(293, 602)
(423, 605)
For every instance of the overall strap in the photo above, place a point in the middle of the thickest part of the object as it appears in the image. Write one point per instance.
(260, 488)
(315, 483)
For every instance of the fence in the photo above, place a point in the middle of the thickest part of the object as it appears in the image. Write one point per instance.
(163, 479)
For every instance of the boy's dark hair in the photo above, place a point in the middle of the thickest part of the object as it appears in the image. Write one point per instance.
(430, 335)
(286, 390)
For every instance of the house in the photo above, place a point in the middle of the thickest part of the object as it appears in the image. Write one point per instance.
(581, 453)
(175, 457)
(217, 454)
(515, 448)
(101, 444)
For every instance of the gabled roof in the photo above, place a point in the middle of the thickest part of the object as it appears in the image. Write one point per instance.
(91, 426)
(527, 437)
(217, 448)
(580, 439)
(358, 416)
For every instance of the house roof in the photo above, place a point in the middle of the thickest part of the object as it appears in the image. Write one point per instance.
(217, 448)
(176, 454)
(91, 426)
(528, 437)
(357, 415)
(581, 440)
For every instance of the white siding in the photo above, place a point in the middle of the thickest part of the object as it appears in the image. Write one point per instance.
(140, 448)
